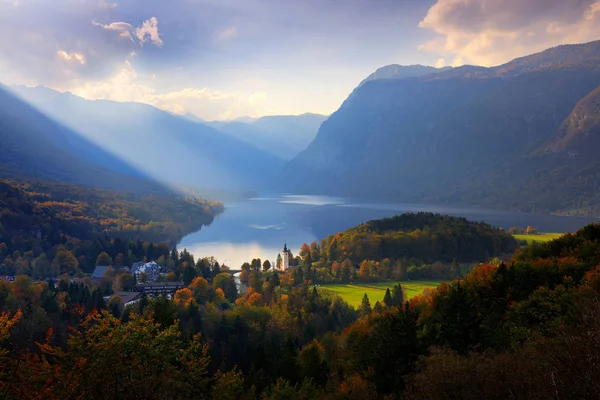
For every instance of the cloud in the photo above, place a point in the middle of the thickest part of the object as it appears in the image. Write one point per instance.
(228, 34)
(123, 28)
(491, 32)
(8, 4)
(149, 28)
(148, 32)
(60, 46)
(105, 4)
(440, 63)
(76, 57)
(205, 102)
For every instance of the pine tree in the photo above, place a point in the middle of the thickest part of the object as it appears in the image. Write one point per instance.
(189, 273)
(387, 299)
(378, 308)
(365, 306)
(397, 295)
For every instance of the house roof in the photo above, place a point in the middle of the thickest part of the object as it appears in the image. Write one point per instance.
(99, 271)
(141, 267)
(151, 285)
(126, 297)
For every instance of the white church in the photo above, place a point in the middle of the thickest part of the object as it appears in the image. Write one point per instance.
(285, 258)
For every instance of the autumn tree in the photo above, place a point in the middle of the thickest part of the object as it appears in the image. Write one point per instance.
(65, 262)
(312, 363)
(226, 283)
(125, 282)
(183, 297)
(200, 290)
(104, 259)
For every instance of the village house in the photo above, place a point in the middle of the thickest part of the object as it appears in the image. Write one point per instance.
(151, 269)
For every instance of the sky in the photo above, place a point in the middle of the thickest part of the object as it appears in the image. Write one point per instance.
(222, 59)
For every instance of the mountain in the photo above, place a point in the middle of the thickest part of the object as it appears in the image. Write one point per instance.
(281, 135)
(170, 148)
(194, 118)
(395, 71)
(473, 135)
(34, 146)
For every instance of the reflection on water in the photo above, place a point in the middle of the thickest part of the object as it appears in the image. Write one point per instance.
(311, 200)
(258, 228)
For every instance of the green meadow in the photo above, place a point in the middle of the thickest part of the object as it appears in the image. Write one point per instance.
(353, 293)
(541, 237)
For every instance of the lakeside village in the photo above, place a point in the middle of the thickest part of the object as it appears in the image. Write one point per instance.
(148, 279)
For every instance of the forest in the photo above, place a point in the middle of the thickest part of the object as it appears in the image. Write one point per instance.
(413, 246)
(420, 238)
(524, 328)
(47, 229)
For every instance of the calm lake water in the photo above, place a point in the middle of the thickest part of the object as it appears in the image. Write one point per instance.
(259, 227)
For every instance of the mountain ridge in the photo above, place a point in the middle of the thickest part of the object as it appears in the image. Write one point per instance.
(36, 147)
(157, 142)
(449, 137)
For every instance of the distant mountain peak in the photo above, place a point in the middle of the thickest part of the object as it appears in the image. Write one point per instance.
(396, 71)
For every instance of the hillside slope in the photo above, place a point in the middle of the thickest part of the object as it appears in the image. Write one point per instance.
(34, 146)
(466, 135)
(171, 149)
(281, 135)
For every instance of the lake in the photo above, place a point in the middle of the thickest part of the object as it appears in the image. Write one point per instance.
(259, 227)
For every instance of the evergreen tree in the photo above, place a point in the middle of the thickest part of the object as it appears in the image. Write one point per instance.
(387, 299)
(174, 255)
(216, 269)
(365, 306)
(378, 308)
(203, 269)
(189, 273)
(397, 295)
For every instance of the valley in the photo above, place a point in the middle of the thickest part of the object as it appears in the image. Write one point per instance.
(258, 227)
(251, 201)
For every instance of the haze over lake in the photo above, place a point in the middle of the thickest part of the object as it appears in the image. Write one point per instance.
(259, 227)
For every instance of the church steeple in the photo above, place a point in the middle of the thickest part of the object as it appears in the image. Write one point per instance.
(285, 258)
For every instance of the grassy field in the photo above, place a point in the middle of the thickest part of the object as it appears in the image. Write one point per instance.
(542, 237)
(354, 292)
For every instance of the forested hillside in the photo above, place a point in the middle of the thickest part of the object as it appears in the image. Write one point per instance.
(526, 328)
(468, 135)
(171, 149)
(48, 219)
(34, 146)
(421, 238)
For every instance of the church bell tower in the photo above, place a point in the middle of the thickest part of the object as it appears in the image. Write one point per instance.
(285, 258)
